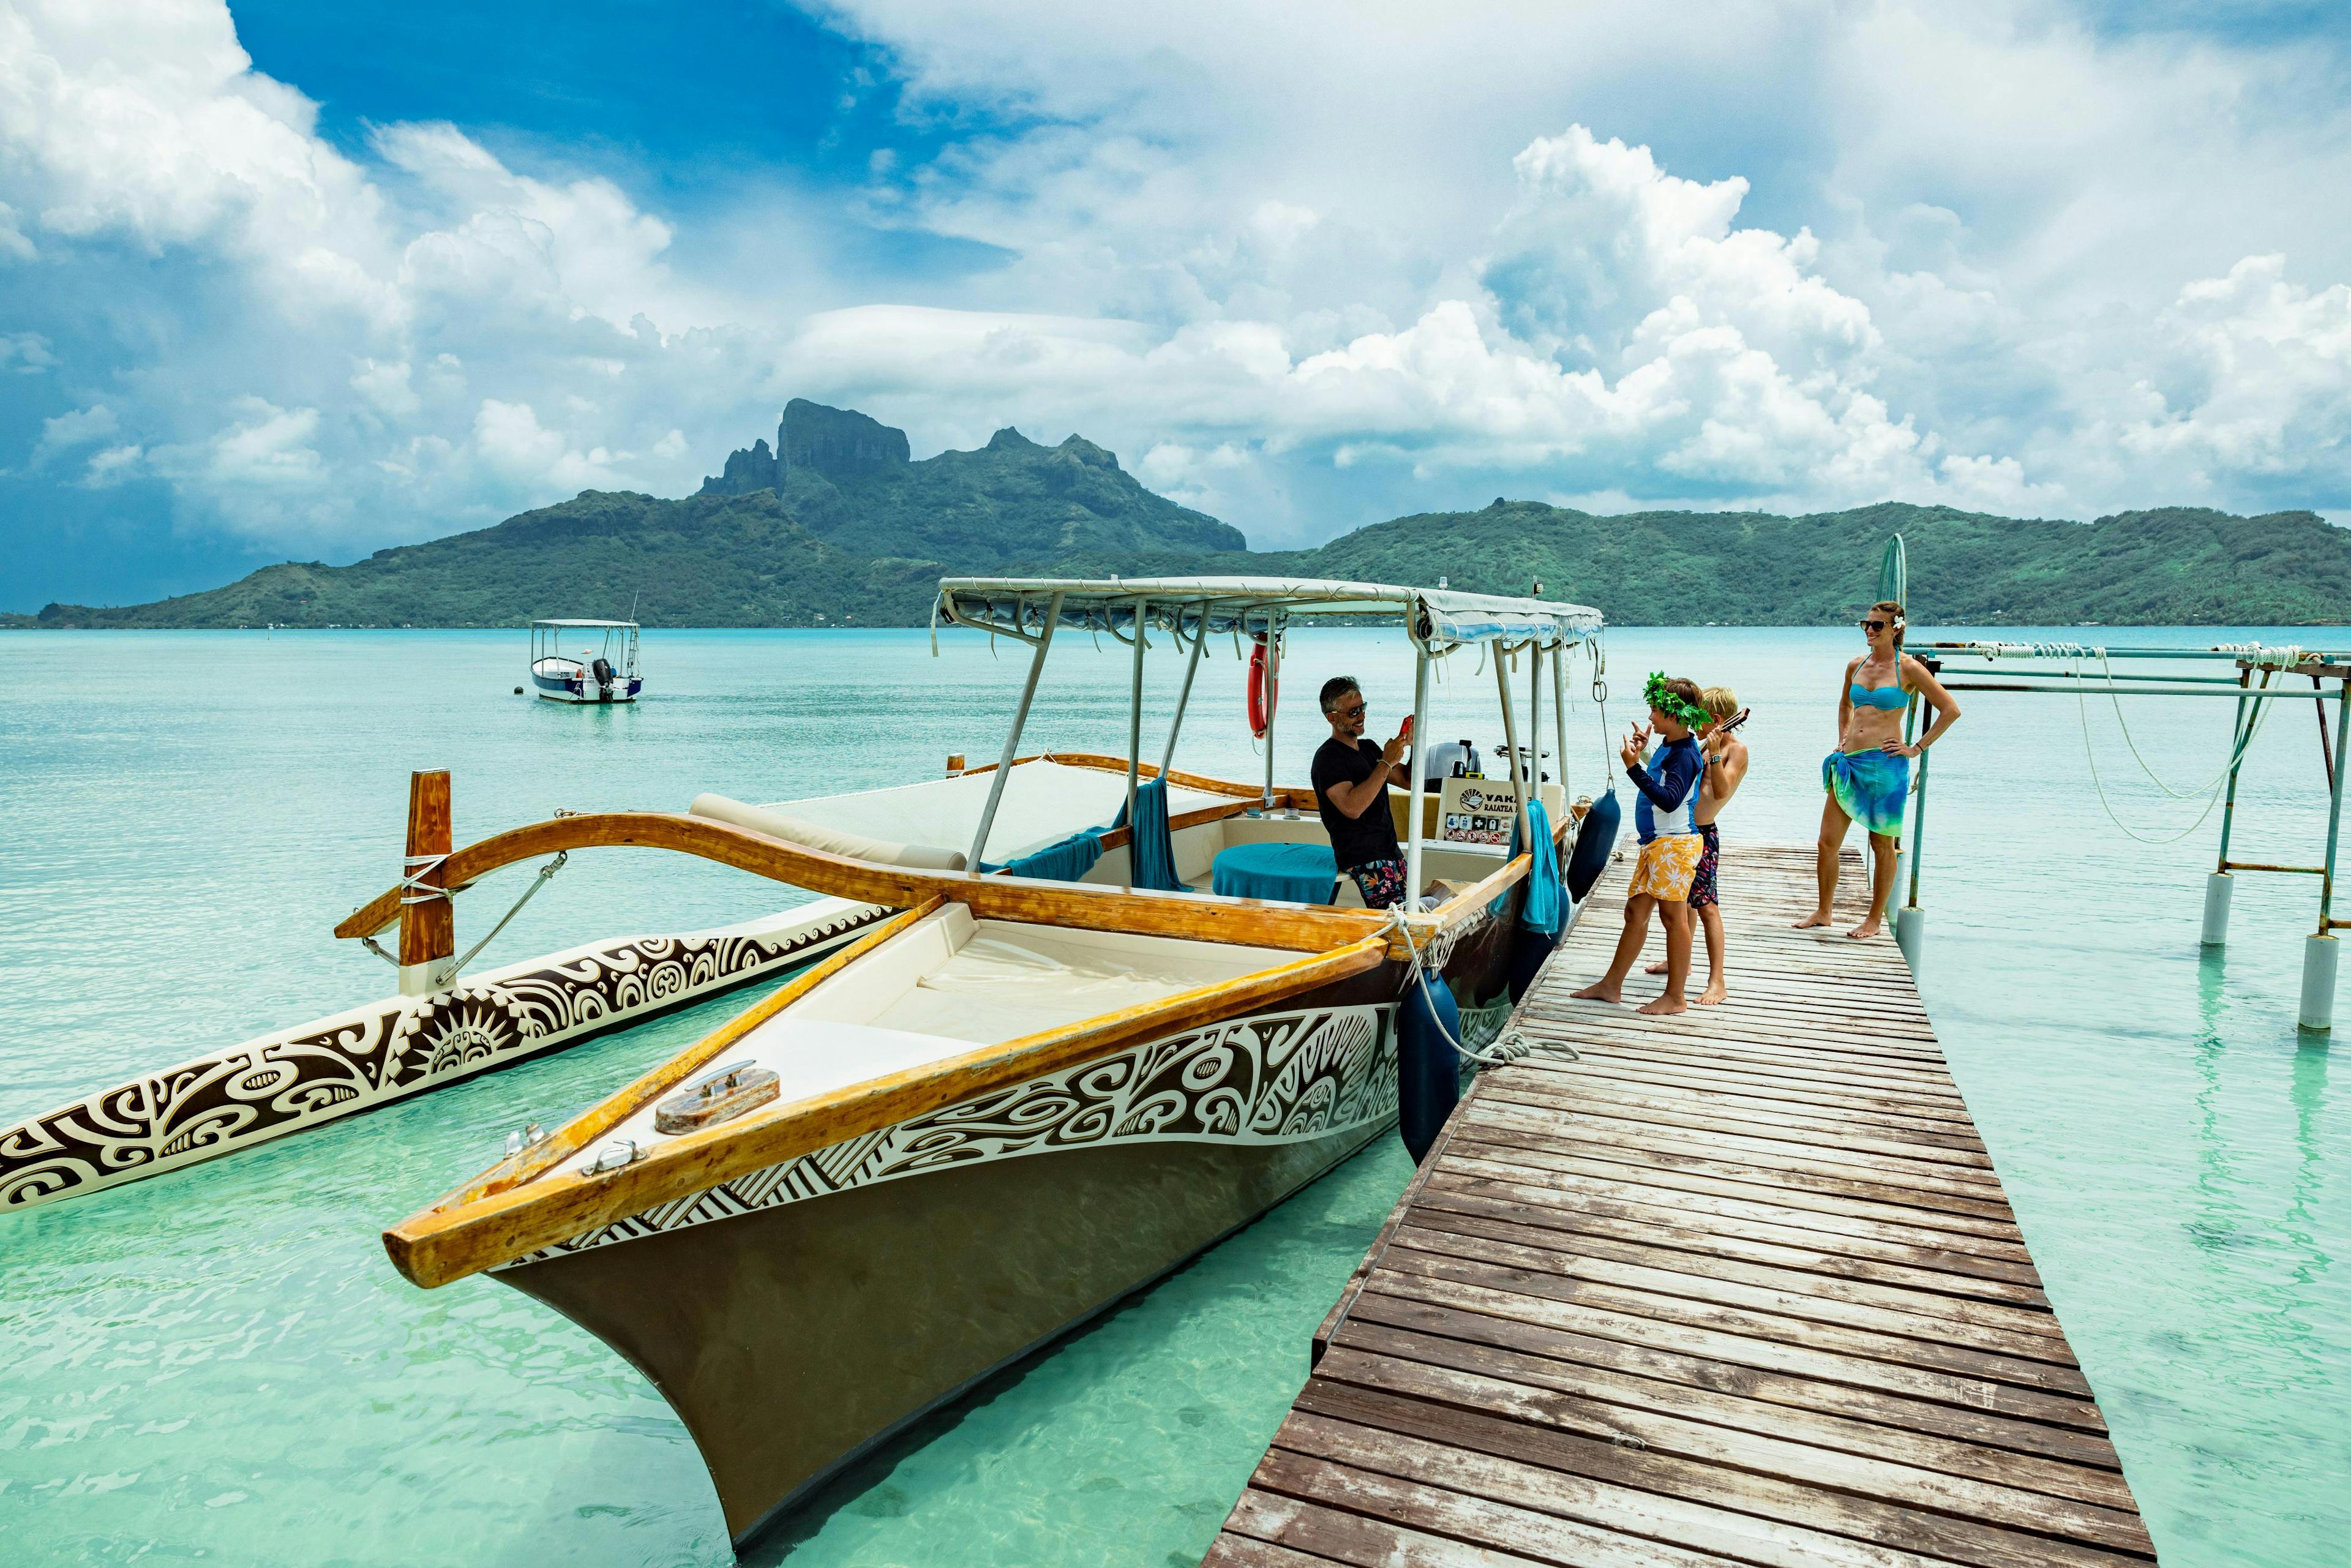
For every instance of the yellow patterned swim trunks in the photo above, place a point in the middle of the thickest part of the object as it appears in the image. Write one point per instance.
(1667, 866)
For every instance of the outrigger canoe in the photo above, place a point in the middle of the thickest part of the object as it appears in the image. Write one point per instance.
(1063, 1068)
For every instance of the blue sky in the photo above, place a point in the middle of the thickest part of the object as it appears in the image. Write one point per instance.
(284, 280)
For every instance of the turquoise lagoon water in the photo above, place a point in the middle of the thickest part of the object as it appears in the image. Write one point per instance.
(219, 1364)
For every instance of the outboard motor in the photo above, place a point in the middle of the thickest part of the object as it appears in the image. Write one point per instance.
(603, 671)
(1450, 758)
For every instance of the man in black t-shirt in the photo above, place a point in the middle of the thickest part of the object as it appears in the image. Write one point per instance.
(1351, 789)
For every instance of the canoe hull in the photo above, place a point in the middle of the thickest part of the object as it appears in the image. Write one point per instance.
(796, 1316)
(792, 1340)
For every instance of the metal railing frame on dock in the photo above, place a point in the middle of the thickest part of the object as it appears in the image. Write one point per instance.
(2320, 951)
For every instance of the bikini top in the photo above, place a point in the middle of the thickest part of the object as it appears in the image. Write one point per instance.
(1888, 698)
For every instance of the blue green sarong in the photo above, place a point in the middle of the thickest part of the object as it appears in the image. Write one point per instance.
(1873, 788)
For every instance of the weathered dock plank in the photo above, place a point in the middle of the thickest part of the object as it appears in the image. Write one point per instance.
(1739, 1286)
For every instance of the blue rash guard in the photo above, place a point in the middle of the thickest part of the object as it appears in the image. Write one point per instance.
(1669, 787)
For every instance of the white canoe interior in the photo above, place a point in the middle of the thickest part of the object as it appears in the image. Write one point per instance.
(949, 983)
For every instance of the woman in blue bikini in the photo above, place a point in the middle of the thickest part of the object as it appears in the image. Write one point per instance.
(1867, 776)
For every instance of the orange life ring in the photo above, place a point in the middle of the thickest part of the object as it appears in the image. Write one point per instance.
(1264, 686)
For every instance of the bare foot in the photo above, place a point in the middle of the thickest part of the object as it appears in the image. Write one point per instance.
(1657, 968)
(1599, 991)
(1714, 994)
(1866, 929)
(1817, 917)
(1665, 1005)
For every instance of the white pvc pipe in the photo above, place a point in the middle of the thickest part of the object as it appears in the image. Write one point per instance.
(1910, 936)
(2218, 889)
(1184, 697)
(1419, 785)
(1012, 741)
(2318, 958)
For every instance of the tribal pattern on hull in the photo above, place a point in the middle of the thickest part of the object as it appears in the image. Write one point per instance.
(300, 1077)
(1274, 1077)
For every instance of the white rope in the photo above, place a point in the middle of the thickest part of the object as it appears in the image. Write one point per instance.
(2243, 742)
(2261, 716)
(1506, 1047)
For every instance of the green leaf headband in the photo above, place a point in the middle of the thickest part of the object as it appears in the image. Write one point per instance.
(1657, 696)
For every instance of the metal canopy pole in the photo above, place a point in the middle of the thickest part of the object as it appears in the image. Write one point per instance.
(2319, 953)
(1272, 696)
(1012, 741)
(1534, 717)
(1135, 714)
(1419, 784)
(1510, 744)
(1184, 697)
(1559, 723)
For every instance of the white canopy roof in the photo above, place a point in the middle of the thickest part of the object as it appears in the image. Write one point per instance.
(624, 624)
(1017, 607)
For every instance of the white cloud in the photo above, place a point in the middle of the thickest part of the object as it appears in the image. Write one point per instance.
(26, 354)
(78, 428)
(14, 245)
(1284, 260)
(112, 467)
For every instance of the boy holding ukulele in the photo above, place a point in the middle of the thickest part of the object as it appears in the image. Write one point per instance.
(1725, 757)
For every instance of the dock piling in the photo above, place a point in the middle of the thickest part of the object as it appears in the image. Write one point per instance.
(2218, 889)
(2318, 956)
(1910, 936)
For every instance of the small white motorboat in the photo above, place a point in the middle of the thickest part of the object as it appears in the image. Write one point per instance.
(604, 672)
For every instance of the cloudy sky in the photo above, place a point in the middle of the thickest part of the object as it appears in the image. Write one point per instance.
(284, 279)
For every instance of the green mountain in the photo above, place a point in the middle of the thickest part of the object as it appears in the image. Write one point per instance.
(846, 479)
(835, 525)
(2172, 566)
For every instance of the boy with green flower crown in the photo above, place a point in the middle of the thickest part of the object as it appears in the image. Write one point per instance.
(1666, 818)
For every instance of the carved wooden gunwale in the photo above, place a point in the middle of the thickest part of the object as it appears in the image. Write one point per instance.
(1198, 916)
(463, 1234)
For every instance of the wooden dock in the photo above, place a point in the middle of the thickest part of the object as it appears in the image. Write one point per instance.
(1736, 1287)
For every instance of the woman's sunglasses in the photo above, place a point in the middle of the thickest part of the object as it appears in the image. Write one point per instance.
(1873, 625)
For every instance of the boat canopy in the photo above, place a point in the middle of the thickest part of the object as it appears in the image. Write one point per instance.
(615, 625)
(1435, 617)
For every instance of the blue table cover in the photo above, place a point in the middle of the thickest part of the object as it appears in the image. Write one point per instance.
(1296, 873)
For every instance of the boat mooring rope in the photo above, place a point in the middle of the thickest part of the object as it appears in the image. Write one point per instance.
(1507, 1047)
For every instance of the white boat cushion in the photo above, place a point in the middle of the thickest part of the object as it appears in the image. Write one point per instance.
(1044, 802)
(832, 840)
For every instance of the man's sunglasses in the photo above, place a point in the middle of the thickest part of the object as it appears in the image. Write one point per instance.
(1355, 712)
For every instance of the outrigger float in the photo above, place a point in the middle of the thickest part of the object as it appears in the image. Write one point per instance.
(1061, 1068)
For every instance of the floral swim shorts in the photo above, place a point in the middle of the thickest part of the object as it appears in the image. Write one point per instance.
(1667, 867)
(1382, 883)
(1703, 890)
